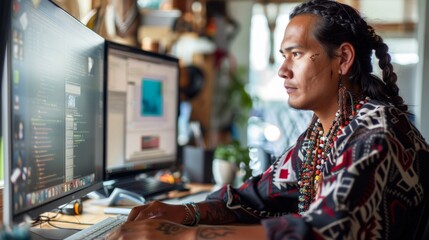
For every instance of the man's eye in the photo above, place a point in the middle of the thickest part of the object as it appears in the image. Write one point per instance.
(296, 54)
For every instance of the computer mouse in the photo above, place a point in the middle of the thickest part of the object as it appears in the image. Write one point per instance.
(122, 197)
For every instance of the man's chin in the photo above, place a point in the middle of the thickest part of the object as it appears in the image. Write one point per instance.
(297, 106)
(294, 105)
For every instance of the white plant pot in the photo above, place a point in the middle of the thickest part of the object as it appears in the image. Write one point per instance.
(224, 172)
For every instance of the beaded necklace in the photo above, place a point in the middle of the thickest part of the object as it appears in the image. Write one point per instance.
(317, 153)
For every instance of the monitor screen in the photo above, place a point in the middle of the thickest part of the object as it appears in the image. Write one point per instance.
(142, 110)
(53, 110)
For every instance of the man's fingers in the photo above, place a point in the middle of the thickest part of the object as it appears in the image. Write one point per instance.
(136, 212)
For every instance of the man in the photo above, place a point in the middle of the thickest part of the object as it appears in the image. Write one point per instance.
(356, 173)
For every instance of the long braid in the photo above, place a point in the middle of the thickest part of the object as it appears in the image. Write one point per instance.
(342, 23)
(389, 76)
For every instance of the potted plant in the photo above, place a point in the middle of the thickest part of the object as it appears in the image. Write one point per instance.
(229, 161)
(238, 96)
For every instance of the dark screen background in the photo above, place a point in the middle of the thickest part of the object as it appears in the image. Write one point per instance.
(56, 80)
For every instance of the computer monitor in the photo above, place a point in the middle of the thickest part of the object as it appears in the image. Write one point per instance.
(142, 110)
(53, 108)
(4, 26)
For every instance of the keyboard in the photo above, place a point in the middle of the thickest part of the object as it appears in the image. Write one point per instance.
(146, 187)
(100, 229)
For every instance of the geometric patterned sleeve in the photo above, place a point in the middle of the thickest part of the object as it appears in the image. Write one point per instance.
(260, 197)
(371, 187)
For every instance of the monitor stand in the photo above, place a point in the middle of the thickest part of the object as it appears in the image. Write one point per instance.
(47, 233)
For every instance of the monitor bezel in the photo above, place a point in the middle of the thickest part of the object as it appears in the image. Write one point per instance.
(117, 173)
(4, 28)
(9, 218)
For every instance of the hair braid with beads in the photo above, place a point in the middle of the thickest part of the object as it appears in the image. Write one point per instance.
(341, 23)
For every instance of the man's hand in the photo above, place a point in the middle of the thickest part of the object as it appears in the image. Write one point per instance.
(162, 229)
(158, 210)
(153, 229)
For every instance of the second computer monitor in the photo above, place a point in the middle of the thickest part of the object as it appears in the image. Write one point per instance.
(142, 108)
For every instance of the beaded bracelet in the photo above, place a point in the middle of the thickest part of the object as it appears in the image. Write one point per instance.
(197, 213)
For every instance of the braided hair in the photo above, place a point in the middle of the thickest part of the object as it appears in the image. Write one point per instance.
(341, 23)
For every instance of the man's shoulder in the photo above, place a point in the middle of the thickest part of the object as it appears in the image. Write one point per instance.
(384, 117)
(377, 121)
(370, 119)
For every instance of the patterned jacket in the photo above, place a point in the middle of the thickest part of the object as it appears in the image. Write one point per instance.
(372, 184)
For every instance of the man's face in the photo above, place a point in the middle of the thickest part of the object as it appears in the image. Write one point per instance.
(310, 77)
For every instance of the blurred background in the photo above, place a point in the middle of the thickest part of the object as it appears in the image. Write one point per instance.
(229, 58)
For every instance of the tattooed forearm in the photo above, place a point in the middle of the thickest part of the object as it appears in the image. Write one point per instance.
(169, 229)
(204, 233)
(217, 213)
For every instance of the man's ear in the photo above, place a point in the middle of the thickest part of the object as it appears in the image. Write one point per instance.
(347, 57)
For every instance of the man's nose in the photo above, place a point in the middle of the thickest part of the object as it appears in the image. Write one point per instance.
(285, 71)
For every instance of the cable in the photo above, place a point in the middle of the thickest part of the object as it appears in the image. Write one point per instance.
(77, 223)
(41, 219)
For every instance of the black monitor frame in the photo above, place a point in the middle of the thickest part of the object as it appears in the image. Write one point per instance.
(9, 217)
(4, 28)
(125, 172)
